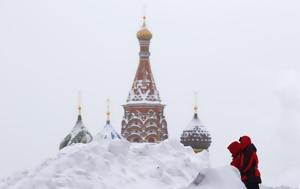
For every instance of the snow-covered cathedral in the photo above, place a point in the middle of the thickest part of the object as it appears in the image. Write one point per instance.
(144, 119)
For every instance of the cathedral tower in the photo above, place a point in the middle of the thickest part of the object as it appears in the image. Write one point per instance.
(144, 119)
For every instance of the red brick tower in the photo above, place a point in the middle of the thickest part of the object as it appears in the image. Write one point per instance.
(144, 119)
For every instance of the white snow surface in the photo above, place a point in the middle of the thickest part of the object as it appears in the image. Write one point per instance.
(118, 164)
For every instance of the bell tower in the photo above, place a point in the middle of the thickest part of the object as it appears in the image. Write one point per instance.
(144, 119)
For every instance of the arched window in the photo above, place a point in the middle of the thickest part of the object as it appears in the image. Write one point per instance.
(136, 140)
(151, 140)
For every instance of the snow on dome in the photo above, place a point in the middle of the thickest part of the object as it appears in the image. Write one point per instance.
(79, 134)
(108, 132)
(195, 124)
(196, 135)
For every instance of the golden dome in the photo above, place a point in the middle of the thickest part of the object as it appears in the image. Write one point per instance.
(144, 33)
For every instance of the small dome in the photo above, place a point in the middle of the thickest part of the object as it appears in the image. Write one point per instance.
(144, 33)
(108, 133)
(79, 134)
(196, 135)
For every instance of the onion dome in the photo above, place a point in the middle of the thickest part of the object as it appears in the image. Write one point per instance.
(196, 135)
(108, 132)
(144, 33)
(79, 133)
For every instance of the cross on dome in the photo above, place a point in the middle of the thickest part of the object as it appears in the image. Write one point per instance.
(144, 33)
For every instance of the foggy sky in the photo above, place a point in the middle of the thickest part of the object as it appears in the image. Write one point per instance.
(241, 56)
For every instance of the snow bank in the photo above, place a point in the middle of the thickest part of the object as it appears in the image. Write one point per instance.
(222, 178)
(119, 164)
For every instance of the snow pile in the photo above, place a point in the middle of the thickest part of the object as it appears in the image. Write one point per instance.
(221, 178)
(119, 164)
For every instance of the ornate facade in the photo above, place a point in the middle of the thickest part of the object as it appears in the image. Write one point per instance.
(144, 119)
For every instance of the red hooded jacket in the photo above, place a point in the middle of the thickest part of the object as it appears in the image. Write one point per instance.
(249, 161)
(235, 150)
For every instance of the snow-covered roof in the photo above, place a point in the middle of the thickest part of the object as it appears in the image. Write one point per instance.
(196, 124)
(108, 132)
(143, 94)
(196, 135)
(79, 134)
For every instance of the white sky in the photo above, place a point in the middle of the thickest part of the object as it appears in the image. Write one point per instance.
(241, 56)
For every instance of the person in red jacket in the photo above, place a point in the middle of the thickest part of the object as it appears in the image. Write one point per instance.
(235, 150)
(249, 164)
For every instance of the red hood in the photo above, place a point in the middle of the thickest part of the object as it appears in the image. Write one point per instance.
(245, 141)
(234, 148)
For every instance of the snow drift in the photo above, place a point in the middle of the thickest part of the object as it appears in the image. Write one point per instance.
(119, 164)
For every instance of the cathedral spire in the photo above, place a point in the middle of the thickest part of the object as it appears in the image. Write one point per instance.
(144, 14)
(196, 105)
(144, 87)
(144, 119)
(79, 118)
(144, 22)
(108, 111)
